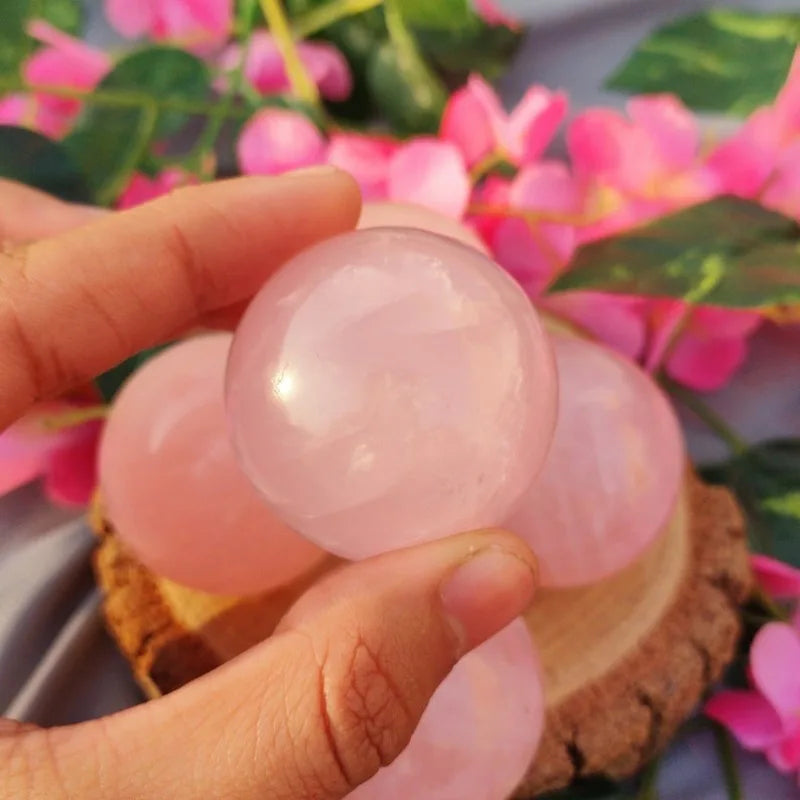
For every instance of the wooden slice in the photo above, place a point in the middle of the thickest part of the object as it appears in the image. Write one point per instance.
(625, 660)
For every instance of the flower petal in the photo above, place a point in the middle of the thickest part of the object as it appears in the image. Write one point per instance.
(130, 19)
(276, 140)
(328, 68)
(474, 120)
(711, 347)
(142, 188)
(366, 158)
(744, 162)
(670, 125)
(616, 320)
(16, 109)
(604, 145)
(787, 103)
(748, 716)
(493, 14)
(264, 67)
(431, 173)
(534, 123)
(785, 755)
(705, 365)
(777, 578)
(775, 664)
(531, 255)
(546, 186)
(783, 189)
(71, 475)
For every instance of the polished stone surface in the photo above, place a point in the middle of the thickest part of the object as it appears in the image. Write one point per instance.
(479, 731)
(388, 387)
(173, 489)
(613, 471)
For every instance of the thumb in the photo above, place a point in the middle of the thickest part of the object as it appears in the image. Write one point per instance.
(315, 710)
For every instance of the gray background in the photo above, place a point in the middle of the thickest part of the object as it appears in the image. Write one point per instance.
(56, 663)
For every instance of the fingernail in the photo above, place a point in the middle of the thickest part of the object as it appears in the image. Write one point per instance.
(318, 171)
(485, 593)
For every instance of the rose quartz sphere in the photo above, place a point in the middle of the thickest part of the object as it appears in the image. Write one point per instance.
(478, 734)
(388, 387)
(173, 489)
(613, 472)
(407, 215)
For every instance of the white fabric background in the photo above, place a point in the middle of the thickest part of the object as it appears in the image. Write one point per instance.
(57, 665)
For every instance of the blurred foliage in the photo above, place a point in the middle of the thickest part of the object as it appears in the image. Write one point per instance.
(37, 161)
(722, 60)
(149, 95)
(726, 251)
(766, 480)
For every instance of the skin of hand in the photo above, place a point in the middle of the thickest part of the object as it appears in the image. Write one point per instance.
(338, 690)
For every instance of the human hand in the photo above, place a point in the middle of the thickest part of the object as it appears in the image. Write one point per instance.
(339, 688)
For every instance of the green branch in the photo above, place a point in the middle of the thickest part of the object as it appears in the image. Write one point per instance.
(702, 411)
(730, 770)
(196, 159)
(299, 79)
(122, 98)
(322, 17)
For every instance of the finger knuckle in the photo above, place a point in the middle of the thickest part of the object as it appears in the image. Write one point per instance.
(363, 709)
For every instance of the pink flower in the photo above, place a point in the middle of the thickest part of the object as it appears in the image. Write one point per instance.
(701, 347)
(475, 121)
(493, 14)
(780, 580)
(617, 320)
(637, 168)
(277, 140)
(64, 62)
(200, 23)
(753, 158)
(366, 158)
(425, 170)
(142, 188)
(766, 719)
(431, 173)
(535, 249)
(265, 69)
(65, 459)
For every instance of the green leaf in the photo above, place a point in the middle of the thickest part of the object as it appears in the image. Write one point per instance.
(440, 14)
(726, 252)
(33, 159)
(458, 51)
(65, 14)
(766, 480)
(149, 96)
(721, 60)
(109, 383)
(14, 42)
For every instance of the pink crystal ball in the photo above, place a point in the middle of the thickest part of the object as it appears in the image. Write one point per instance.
(408, 215)
(388, 387)
(478, 734)
(613, 473)
(173, 489)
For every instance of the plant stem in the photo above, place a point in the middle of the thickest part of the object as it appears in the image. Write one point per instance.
(121, 98)
(401, 37)
(321, 17)
(299, 79)
(737, 445)
(196, 159)
(769, 605)
(71, 419)
(647, 788)
(730, 771)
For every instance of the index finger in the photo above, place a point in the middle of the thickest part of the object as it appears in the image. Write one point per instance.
(75, 305)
